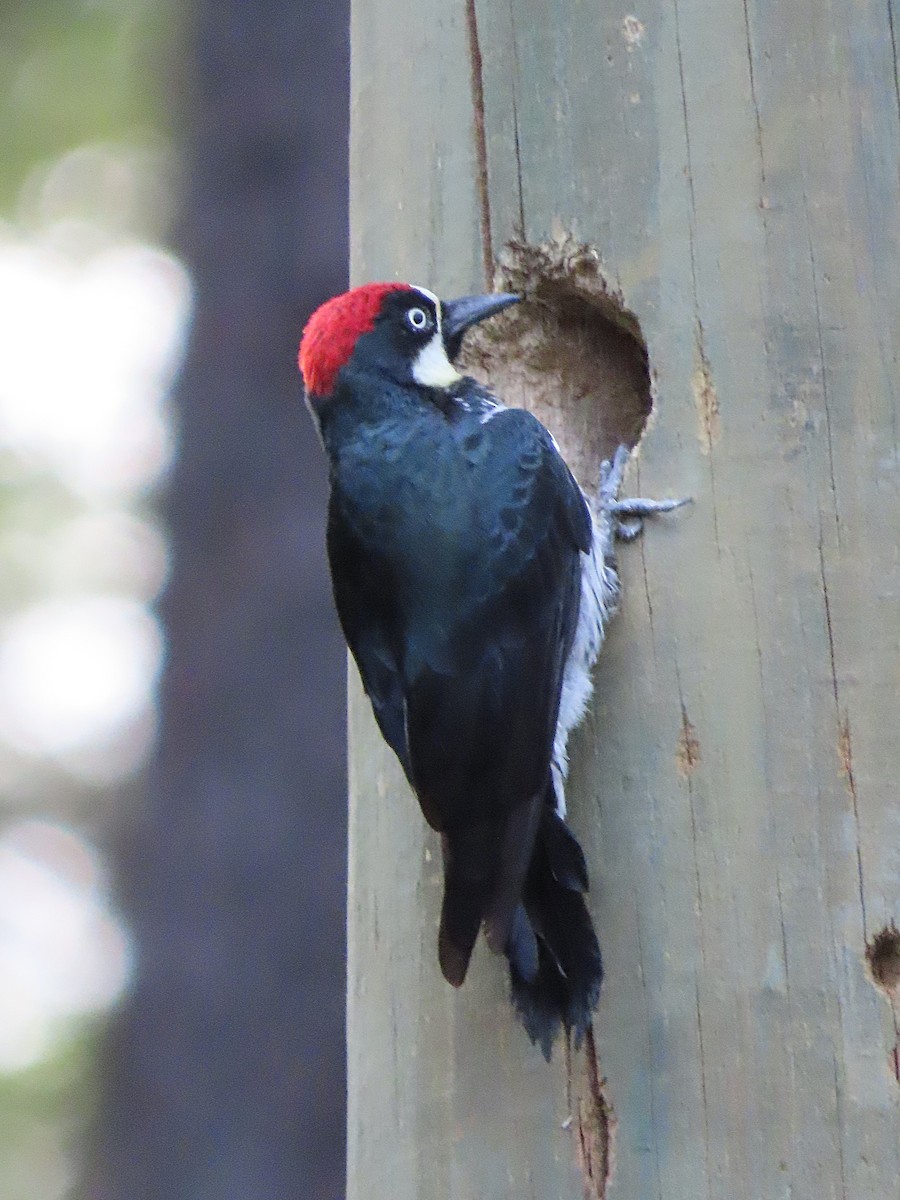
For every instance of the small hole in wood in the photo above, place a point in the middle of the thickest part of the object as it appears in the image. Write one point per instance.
(883, 955)
(571, 352)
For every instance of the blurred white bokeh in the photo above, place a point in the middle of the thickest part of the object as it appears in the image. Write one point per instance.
(62, 952)
(87, 348)
(75, 670)
(91, 329)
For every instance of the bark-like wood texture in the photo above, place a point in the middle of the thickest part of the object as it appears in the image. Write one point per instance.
(735, 786)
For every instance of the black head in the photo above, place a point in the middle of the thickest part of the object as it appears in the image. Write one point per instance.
(395, 329)
(421, 335)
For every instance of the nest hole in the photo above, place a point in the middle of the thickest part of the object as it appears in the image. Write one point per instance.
(883, 955)
(571, 352)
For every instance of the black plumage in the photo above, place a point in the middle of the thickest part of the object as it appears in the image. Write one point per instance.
(455, 537)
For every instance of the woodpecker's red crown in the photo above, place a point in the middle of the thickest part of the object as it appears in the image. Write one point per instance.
(334, 329)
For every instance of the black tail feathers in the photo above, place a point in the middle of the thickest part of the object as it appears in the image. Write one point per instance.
(555, 967)
(471, 856)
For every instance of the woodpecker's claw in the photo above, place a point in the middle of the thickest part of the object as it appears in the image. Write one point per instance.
(611, 476)
(626, 517)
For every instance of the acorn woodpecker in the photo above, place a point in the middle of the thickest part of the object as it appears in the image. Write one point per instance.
(473, 583)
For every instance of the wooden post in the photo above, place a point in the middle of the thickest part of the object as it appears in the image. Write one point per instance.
(736, 164)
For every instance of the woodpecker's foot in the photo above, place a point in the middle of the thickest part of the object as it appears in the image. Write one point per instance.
(625, 518)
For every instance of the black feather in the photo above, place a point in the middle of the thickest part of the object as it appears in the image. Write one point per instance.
(564, 853)
(471, 856)
(566, 988)
(455, 547)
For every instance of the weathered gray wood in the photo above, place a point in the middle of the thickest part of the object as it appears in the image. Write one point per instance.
(737, 165)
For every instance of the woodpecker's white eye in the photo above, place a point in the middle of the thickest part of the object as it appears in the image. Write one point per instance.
(418, 318)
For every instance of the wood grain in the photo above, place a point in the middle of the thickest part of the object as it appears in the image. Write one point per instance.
(735, 785)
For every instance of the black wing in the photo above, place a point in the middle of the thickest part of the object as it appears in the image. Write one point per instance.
(483, 672)
(464, 664)
(482, 701)
(359, 578)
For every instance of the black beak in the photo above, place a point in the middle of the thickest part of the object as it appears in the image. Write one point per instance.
(459, 315)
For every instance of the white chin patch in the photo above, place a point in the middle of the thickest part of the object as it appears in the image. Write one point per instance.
(431, 366)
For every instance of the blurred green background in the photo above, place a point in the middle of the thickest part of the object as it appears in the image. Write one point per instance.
(85, 182)
(96, 310)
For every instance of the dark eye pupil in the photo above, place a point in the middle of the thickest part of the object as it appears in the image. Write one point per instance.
(418, 318)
